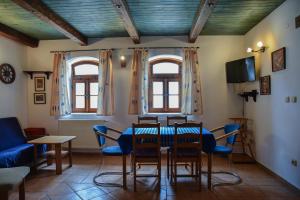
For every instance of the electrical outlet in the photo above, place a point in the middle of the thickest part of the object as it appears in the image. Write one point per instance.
(287, 99)
(294, 163)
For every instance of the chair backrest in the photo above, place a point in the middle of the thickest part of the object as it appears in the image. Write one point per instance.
(11, 134)
(146, 137)
(187, 138)
(100, 129)
(147, 119)
(176, 119)
(228, 128)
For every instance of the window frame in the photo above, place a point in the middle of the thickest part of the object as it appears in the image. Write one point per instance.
(165, 78)
(87, 79)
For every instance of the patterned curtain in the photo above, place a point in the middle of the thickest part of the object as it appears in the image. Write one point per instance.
(61, 82)
(138, 99)
(191, 84)
(106, 92)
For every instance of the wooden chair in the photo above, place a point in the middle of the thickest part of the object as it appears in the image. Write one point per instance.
(146, 148)
(230, 134)
(177, 119)
(187, 147)
(147, 119)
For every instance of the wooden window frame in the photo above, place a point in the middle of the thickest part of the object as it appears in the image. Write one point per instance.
(87, 79)
(165, 78)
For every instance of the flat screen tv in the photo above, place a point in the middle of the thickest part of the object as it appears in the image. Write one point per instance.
(242, 70)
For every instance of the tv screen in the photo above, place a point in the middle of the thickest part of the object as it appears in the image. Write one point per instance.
(242, 70)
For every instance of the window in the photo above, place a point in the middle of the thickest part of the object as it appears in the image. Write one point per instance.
(164, 85)
(85, 86)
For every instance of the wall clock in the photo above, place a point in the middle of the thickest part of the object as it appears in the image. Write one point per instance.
(7, 73)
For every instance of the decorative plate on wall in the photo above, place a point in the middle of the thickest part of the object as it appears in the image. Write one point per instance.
(7, 73)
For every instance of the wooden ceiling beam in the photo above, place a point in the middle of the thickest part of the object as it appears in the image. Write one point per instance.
(122, 9)
(205, 9)
(17, 36)
(39, 9)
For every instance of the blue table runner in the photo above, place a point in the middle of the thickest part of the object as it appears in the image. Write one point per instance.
(125, 140)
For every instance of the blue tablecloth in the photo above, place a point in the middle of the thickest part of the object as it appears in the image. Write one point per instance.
(125, 140)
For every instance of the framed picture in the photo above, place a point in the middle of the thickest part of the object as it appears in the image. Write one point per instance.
(39, 84)
(39, 98)
(265, 85)
(278, 60)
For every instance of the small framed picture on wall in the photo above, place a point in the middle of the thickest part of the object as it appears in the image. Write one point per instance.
(39, 98)
(265, 85)
(39, 84)
(278, 60)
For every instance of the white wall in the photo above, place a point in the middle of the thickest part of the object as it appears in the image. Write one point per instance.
(13, 101)
(219, 100)
(276, 123)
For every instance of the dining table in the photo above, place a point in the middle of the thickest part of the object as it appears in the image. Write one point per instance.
(167, 137)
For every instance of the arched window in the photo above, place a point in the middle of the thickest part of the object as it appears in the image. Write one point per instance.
(165, 85)
(85, 86)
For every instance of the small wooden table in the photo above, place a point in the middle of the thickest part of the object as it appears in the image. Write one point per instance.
(57, 153)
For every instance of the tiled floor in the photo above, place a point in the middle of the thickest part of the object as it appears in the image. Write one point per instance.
(77, 183)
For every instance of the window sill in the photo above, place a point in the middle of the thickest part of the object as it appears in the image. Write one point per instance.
(82, 117)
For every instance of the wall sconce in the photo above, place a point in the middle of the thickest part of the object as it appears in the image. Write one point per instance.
(261, 47)
(123, 61)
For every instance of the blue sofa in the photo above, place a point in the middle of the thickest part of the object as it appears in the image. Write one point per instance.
(14, 149)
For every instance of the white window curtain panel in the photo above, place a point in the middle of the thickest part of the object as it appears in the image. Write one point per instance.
(61, 86)
(191, 83)
(106, 93)
(138, 99)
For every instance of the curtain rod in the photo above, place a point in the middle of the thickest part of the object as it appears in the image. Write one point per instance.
(78, 50)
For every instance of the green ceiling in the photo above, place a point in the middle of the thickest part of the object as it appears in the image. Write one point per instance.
(98, 18)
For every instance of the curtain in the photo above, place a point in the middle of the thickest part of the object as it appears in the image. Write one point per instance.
(106, 93)
(61, 82)
(191, 84)
(138, 99)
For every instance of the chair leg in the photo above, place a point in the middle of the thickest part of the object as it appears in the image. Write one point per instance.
(159, 172)
(4, 195)
(168, 163)
(22, 190)
(134, 176)
(175, 175)
(199, 173)
(192, 168)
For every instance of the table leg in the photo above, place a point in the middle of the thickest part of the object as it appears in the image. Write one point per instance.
(70, 153)
(209, 166)
(124, 172)
(58, 159)
(22, 190)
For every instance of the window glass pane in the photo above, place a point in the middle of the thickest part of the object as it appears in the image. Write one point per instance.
(165, 68)
(157, 101)
(174, 87)
(80, 102)
(93, 101)
(80, 88)
(174, 101)
(157, 87)
(93, 88)
(86, 69)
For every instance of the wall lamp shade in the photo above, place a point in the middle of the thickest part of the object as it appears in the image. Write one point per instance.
(123, 61)
(261, 47)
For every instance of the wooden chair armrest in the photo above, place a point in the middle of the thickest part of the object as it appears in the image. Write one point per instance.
(216, 129)
(115, 130)
(106, 136)
(227, 135)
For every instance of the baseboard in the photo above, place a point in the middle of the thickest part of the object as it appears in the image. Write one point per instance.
(277, 176)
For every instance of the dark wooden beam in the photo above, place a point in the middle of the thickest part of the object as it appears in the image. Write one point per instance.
(122, 9)
(204, 11)
(17, 36)
(39, 9)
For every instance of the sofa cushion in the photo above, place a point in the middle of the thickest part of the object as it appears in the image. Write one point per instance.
(11, 134)
(17, 156)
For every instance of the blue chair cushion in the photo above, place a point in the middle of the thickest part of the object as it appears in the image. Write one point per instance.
(100, 139)
(230, 128)
(220, 149)
(112, 151)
